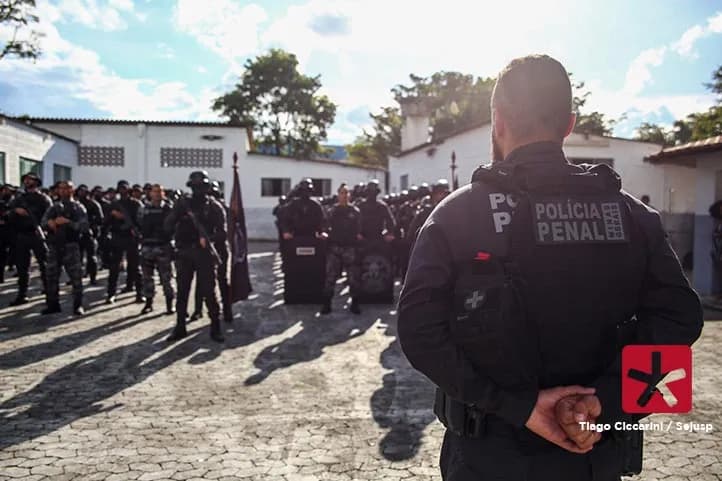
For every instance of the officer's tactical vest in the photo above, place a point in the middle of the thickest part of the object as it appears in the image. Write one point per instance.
(543, 311)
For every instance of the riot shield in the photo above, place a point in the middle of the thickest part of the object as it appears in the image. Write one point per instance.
(304, 270)
(376, 283)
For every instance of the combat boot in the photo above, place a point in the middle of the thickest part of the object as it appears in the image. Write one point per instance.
(169, 305)
(195, 316)
(19, 301)
(216, 332)
(93, 280)
(139, 299)
(53, 308)
(148, 306)
(326, 308)
(178, 333)
(110, 299)
(78, 310)
(355, 308)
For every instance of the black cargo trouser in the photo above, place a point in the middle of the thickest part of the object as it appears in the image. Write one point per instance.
(508, 454)
(67, 256)
(198, 261)
(26, 245)
(89, 250)
(127, 245)
(223, 286)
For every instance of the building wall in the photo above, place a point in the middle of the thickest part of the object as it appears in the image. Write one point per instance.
(19, 140)
(708, 190)
(142, 154)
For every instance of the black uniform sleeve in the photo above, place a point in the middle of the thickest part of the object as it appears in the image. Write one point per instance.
(220, 229)
(669, 312)
(425, 337)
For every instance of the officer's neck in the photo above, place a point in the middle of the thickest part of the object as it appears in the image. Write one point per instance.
(508, 146)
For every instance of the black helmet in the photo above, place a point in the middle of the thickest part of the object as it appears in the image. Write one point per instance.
(33, 176)
(216, 189)
(305, 186)
(413, 193)
(147, 186)
(441, 185)
(373, 187)
(424, 190)
(123, 184)
(198, 178)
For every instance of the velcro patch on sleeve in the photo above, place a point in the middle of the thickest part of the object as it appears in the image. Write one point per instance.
(579, 220)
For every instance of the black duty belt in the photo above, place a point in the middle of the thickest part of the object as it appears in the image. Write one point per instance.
(459, 418)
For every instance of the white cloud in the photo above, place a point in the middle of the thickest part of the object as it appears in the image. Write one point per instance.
(639, 74)
(223, 26)
(77, 72)
(201, 69)
(685, 45)
(165, 50)
(96, 14)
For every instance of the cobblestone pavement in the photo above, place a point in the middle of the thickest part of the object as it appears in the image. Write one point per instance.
(290, 396)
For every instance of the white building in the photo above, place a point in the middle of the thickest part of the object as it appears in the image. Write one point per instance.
(25, 148)
(106, 151)
(702, 160)
(671, 188)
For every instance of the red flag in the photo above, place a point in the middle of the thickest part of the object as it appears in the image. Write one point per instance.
(240, 278)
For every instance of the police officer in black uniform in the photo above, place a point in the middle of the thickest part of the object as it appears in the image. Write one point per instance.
(344, 232)
(26, 212)
(198, 223)
(156, 251)
(7, 234)
(376, 219)
(122, 224)
(222, 270)
(515, 291)
(439, 191)
(89, 239)
(103, 235)
(303, 216)
(66, 222)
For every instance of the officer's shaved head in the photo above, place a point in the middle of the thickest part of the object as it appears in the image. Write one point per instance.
(533, 96)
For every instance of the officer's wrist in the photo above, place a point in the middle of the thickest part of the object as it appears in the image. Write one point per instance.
(515, 407)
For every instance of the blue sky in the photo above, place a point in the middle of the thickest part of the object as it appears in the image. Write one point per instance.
(167, 59)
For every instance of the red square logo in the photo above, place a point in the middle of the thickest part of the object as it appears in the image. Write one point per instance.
(657, 379)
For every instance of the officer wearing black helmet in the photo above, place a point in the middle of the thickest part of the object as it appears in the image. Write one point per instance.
(122, 224)
(99, 195)
(7, 235)
(89, 238)
(516, 289)
(198, 223)
(438, 192)
(222, 269)
(376, 220)
(304, 215)
(24, 216)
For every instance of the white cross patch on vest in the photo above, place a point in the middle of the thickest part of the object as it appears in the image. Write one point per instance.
(475, 300)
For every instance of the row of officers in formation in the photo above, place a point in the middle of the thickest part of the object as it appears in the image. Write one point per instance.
(84, 230)
(354, 217)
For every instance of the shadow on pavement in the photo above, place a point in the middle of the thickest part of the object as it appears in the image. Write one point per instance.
(403, 404)
(61, 345)
(77, 389)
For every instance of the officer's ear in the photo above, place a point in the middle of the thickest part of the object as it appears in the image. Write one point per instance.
(572, 123)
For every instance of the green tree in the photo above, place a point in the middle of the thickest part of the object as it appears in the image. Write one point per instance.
(648, 132)
(384, 140)
(288, 113)
(18, 16)
(457, 101)
(594, 123)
